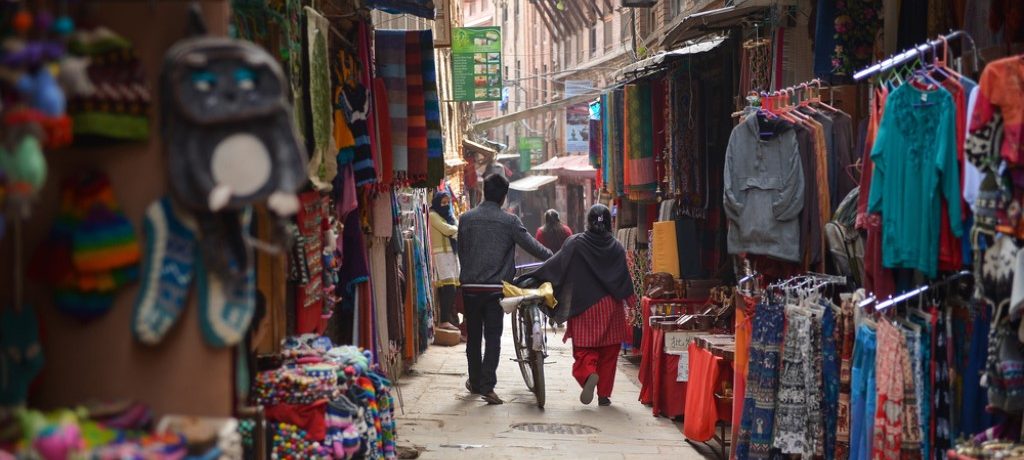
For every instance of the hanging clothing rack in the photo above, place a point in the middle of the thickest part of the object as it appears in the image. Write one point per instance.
(911, 54)
(914, 293)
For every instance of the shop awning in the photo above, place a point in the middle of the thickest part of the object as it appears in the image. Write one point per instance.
(532, 183)
(698, 24)
(658, 61)
(570, 165)
(479, 148)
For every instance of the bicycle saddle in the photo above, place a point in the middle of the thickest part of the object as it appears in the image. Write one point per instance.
(527, 282)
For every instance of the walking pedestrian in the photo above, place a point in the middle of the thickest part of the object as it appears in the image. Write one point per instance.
(593, 286)
(487, 239)
(443, 233)
(553, 233)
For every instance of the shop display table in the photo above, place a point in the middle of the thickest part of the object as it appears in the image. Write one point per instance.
(709, 405)
(659, 388)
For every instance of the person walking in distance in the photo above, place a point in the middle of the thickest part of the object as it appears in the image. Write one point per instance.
(553, 233)
(487, 239)
(593, 286)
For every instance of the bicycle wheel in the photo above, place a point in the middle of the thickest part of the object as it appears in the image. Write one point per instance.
(537, 360)
(521, 344)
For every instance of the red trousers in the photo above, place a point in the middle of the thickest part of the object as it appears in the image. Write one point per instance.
(601, 360)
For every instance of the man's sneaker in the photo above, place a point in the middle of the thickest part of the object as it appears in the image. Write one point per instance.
(587, 395)
(470, 389)
(492, 398)
(604, 402)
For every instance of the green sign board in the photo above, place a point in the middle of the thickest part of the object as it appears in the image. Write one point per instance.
(528, 147)
(476, 63)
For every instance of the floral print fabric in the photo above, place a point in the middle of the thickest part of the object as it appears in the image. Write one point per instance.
(758, 422)
(856, 24)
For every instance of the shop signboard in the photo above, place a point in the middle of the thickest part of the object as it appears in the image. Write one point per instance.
(577, 137)
(476, 63)
(529, 148)
(577, 128)
(677, 342)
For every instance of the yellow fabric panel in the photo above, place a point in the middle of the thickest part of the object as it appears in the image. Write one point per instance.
(664, 252)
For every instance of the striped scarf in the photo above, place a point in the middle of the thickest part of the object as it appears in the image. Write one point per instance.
(390, 54)
(435, 144)
(640, 177)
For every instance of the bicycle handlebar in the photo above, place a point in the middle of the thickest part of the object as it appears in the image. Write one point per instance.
(484, 287)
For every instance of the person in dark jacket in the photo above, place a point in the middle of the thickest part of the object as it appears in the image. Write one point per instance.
(553, 233)
(487, 239)
(593, 286)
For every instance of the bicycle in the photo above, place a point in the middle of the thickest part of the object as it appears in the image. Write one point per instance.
(529, 333)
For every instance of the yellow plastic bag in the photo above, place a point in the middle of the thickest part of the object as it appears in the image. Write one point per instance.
(545, 290)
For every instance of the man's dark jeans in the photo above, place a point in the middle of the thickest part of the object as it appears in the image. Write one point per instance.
(484, 320)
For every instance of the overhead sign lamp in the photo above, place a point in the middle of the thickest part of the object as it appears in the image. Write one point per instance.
(638, 3)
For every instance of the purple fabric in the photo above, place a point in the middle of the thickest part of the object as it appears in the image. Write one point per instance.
(355, 266)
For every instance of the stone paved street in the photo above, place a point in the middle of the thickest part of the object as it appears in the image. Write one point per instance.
(443, 420)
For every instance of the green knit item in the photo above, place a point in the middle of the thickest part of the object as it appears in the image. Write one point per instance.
(25, 163)
(112, 125)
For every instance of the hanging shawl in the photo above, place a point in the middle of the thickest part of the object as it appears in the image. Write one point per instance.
(606, 139)
(323, 165)
(640, 175)
(391, 68)
(417, 113)
(382, 132)
(432, 106)
(618, 147)
(689, 164)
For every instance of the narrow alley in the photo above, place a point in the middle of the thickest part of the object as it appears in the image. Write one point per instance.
(442, 420)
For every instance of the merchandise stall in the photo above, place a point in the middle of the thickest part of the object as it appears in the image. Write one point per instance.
(265, 299)
(913, 364)
(835, 200)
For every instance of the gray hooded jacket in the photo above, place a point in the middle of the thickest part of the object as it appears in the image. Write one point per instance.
(764, 189)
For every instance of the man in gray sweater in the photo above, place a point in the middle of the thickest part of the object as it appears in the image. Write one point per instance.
(487, 239)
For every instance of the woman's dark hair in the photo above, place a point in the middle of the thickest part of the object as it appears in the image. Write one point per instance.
(495, 188)
(599, 219)
(551, 219)
(554, 233)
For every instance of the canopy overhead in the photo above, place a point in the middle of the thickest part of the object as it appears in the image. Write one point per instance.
(479, 148)
(570, 165)
(702, 23)
(657, 62)
(532, 183)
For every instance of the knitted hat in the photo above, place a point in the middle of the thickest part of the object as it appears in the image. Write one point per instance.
(119, 106)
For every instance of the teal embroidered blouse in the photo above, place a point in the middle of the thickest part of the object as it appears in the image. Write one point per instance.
(915, 166)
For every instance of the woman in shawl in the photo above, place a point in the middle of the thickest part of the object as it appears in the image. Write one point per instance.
(593, 286)
(443, 233)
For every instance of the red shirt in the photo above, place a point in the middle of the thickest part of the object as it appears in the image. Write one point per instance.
(600, 325)
(551, 244)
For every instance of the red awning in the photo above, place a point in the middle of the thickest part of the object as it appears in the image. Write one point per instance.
(570, 166)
